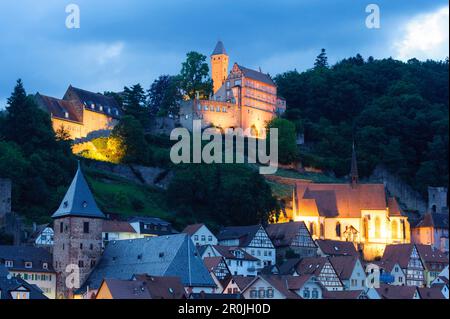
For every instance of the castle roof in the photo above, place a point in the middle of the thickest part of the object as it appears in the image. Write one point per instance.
(219, 49)
(256, 75)
(78, 200)
(173, 255)
(62, 109)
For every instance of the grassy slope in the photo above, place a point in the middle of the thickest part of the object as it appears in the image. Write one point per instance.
(117, 195)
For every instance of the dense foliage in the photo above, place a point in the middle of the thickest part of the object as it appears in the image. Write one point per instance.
(228, 194)
(396, 112)
(32, 158)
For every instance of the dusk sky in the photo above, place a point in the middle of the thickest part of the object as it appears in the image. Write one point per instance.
(125, 42)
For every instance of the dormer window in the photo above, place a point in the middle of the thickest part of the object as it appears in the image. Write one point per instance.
(84, 204)
(101, 108)
(66, 115)
(65, 204)
(92, 106)
(117, 112)
(109, 110)
(45, 266)
(28, 264)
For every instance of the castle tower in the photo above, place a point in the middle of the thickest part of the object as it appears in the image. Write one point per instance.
(219, 66)
(354, 168)
(78, 237)
(437, 199)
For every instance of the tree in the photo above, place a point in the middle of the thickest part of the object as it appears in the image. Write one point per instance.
(243, 195)
(134, 104)
(128, 142)
(164, 96)
(194, 76)
(62, 134)
(321, 60)
(287, 140)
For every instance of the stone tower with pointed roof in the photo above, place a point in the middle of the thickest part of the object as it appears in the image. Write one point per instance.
(219, 66)
(77, 236)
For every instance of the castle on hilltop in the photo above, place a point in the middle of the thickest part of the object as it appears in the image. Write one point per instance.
(80, 112)
(243, 98)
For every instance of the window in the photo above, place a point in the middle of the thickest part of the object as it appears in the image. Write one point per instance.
(45, 265)
(80, 264)
(9, 263)
(394, 229)
(61, 227)
(229, 290)
(91, 246)
(253, 293)
(195, 237)
(306, 293)
(28, 264)
(203, 238)
(270, 293)
(377, 227)
(86, 227)
(315, 294)
(81, 246)
(261, 293)
(338, 229)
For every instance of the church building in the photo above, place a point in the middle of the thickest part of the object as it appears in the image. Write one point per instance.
(354, 212)
(243, 98)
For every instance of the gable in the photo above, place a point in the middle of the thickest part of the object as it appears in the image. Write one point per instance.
(261, 239)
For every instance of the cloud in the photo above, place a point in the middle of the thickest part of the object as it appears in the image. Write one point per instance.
(106, 53)
(425, 36)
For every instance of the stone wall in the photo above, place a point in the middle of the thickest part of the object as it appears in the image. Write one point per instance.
(410, 199)
(5, 197)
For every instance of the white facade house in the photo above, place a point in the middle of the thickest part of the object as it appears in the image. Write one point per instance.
(253, 239)
(350, 271)
(269, 287)
(239, 262)
(200, 235)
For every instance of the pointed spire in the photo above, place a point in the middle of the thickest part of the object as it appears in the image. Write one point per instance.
(354, 168)
(219, 49)
(294, 201)
(78, 200)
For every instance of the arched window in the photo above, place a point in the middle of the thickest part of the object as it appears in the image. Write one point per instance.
(366, 228)
(338, 229)
(322, 230)
(312, 228)
(394, 229)
(377, 227)
(402, 223)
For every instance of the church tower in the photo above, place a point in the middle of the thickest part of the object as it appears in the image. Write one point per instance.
(77, 237)
(354, 169)
(219, 66)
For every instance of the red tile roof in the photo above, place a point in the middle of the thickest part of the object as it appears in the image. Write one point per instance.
(311, 265)
(344, 265)
(116, 226)
(398, 253)
(212, 262)
(283, 234)
(337, 248)
(396, 292)
(430, 293)
(343, 200)
(242, 282)
(227, 253)
(192, 229)
(163, 287)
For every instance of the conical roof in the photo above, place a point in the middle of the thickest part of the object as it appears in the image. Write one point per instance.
(78, 200)
(219, 49)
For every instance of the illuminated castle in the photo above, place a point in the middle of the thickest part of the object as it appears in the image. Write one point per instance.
(80, 112)
(355, 212)
(243, 98)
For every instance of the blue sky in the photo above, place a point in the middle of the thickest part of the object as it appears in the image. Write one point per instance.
(125, 42)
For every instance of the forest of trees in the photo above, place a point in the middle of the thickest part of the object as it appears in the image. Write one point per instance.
(396, 113)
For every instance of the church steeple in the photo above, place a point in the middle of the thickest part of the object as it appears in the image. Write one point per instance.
(354, 168)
